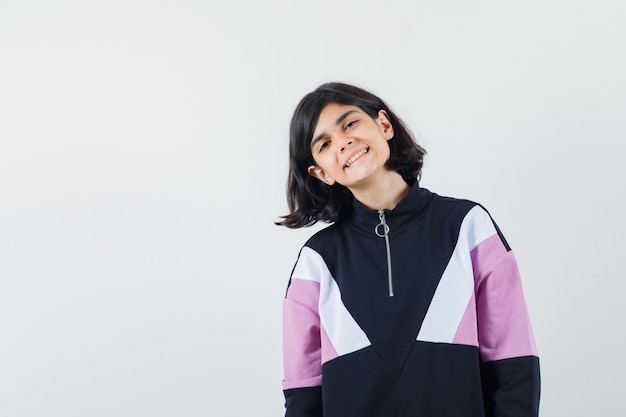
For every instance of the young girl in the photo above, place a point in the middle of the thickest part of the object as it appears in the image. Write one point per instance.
(409, 304)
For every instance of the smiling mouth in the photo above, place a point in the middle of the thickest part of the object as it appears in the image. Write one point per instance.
(356, 156)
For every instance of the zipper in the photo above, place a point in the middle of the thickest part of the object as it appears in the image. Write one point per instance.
(385, 234)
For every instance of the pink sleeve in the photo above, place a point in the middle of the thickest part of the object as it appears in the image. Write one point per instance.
(504, 329)
(301, 335)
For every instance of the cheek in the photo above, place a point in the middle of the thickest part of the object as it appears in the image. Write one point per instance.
(324, 161)
(386, 151)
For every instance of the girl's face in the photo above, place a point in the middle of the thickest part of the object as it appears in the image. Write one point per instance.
(349, 147)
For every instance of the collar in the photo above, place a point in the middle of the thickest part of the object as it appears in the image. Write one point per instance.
(364, 220)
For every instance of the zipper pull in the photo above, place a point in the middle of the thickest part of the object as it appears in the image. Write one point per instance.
(385, 234)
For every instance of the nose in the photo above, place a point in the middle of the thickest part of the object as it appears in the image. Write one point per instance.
(345, 144)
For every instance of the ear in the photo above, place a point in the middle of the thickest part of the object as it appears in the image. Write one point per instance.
(385, 124)
(320, 174)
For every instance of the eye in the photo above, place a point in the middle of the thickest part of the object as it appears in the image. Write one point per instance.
(350, 124)
(324, 145)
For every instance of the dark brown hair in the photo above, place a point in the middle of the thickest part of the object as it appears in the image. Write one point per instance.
(309, 199)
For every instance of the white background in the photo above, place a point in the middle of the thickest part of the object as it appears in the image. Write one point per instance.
(143, 156)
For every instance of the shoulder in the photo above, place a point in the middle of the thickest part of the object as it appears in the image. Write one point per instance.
(311, 252)
(470, 209)
(322, 237)
(453, 203)
(450, 211)
(471, 217)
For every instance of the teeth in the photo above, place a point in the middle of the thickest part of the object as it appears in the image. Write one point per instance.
(355, 157)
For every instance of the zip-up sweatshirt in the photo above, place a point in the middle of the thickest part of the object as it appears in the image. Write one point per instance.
(412, 312)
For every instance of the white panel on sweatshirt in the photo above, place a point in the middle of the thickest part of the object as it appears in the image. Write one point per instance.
(308, 266)
(341, 328)
(456, 286)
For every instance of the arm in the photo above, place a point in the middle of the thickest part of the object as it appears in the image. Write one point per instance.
(302, 346)
(510, 366)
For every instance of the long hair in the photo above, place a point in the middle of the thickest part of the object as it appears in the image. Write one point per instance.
(309, 199)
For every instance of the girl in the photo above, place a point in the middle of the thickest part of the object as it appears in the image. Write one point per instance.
(409, 304)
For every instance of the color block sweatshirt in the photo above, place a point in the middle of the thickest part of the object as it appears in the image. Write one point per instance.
(412, 312)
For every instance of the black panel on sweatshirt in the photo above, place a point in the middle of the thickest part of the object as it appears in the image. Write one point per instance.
(439, 380)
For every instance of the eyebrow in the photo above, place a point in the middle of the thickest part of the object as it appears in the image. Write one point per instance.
(338, 122)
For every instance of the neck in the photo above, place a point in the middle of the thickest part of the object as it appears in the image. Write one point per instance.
(384, 194)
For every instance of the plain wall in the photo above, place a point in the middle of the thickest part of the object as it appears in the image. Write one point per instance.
(143, 158)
